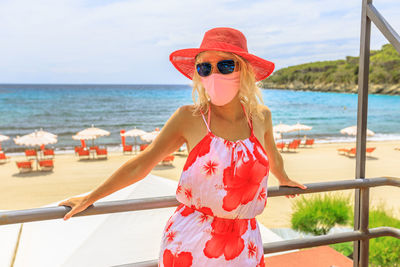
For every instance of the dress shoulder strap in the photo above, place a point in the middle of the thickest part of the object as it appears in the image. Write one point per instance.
(247, 117)
(202, 114)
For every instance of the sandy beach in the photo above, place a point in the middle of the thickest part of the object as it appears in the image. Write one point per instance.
(317, 164)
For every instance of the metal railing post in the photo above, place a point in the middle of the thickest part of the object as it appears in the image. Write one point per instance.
(361, 205)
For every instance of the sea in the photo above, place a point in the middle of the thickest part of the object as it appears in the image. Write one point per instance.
(65, 109)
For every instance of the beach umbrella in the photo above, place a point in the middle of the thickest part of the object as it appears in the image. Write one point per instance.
(90, 134)
(149, 137)
(3, 138)
(352, 130)
(277, 135)
(300, 127)
(134, 133)
(282, 128)
(36, 139)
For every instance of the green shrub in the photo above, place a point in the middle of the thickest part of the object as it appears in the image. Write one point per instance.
(383, 251)
(318, 214)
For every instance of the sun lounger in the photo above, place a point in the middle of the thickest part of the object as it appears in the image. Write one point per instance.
(48, 153)
(280, 145)
(292, 145)
(352, 152)
(309, 142)
(143, 146)
(30, 154)
(101, 153)
(127, 149)
(77, 148)
(46, 165)
(369, 150)
(83, 154)
(168, 160)
(24, 166)
(343, 151)
(3, 158)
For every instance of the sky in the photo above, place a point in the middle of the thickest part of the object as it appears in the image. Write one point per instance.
(129, 42)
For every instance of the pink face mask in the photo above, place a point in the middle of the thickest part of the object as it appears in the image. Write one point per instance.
(221, 88)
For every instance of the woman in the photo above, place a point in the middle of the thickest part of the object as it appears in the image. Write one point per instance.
(223, 185)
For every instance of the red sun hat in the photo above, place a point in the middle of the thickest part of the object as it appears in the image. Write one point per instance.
(225, 40)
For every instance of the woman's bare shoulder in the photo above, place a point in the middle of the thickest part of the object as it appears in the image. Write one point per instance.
(266, 112)
(187, 112)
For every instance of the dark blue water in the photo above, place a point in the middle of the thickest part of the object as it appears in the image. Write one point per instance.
(67, 109)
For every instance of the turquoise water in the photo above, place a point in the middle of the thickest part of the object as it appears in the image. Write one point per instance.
(67, 109)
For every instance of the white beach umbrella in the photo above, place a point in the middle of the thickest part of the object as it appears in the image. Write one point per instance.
(37, 138)
(300, 127)
(282, 128)
(90, 134)
(352, 130)
(277, 135)
(134, 133)
(3, 138)
(149, 137)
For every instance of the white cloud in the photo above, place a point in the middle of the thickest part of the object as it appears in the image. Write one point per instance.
(129, 41)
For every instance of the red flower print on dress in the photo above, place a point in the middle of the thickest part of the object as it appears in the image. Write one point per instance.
(242, 186)
(227, 143)
(188, 193)
(178, 189)
(253, 223)
(183, 259)
(203, 218)
(262, 262)
(170, 236)
(210, 167)
(260, 155)
(206, 210)
(187, 210)
(169, 226)
(252, 249)
(226, 238)
(202, 148)
(206, 213)
(262, 194)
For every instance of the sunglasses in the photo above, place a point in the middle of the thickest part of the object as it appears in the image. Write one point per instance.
(224, 66)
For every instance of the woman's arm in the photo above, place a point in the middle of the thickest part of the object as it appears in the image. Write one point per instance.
(167, 141)
(274, 157)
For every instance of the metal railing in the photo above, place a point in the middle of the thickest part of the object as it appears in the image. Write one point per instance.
(361, 233)
(58, 212)
(361, 205)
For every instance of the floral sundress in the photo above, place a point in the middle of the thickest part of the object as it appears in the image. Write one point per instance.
(223, 186)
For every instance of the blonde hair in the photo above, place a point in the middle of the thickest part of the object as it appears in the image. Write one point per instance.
(248, 91)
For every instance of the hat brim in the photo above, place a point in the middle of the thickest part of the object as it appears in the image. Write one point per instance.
(184, 61)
